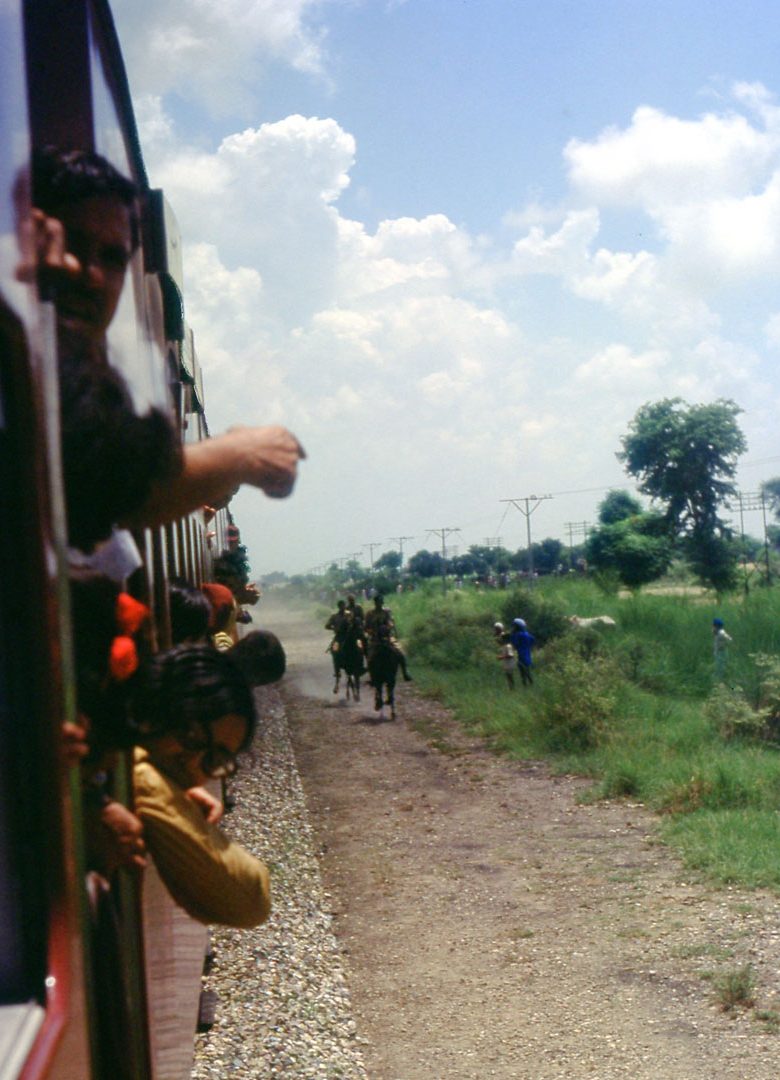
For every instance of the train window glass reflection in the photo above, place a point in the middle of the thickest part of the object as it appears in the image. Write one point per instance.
(132, 349)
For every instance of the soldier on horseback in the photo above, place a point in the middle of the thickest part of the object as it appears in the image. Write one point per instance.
(336, 624)
(382, 617)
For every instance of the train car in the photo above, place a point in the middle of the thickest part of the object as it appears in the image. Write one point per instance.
(70, 1006)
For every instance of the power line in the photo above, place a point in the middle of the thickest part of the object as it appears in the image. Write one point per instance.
(531, 503)
(443, 533)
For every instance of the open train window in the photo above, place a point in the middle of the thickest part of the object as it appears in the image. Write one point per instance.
(134, 346)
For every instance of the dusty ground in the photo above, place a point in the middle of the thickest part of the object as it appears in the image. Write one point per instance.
(494, 927)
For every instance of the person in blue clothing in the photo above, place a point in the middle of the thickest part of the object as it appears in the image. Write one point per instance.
(522, 641)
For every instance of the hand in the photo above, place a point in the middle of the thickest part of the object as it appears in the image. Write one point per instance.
(209, 804)
(43, 242)
(269, 458)
(74, 739)
(249, 595)
(123, 841)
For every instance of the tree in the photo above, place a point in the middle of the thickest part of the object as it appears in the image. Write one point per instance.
(425, 564)
(617, 505)
(389, 562)
(637, 548)
(685, 458)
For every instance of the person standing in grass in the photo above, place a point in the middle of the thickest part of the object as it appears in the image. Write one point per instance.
(720, 647)
(505, 654)
(522, 641)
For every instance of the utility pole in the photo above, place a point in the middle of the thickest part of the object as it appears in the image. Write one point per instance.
(371, 547)
(399, 540)
(443, 533)
(531, 503)
(576, 528)
(754, 500)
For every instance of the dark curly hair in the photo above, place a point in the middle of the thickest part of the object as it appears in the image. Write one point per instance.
(190, 611)
(61, 177)
(190, 686)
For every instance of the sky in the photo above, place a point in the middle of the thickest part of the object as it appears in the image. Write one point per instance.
(455, 245)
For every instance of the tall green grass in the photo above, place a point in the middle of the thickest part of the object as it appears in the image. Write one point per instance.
(634, 708)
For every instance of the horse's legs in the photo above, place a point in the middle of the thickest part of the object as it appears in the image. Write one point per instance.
(391, 699)
(378, 697)
(338, 680)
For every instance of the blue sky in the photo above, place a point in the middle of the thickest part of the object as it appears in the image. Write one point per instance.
(456, 245)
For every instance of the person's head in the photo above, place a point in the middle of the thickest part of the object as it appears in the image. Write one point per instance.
(498, 628)
(197, 713)
(379, 601)
(717, 624)
(260, 656)
(350, 601)
(97, 207)
(519, 623)
(223, 606)
(341, 605)
(190, 613)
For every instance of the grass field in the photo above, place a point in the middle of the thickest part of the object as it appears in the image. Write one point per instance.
(638, 709)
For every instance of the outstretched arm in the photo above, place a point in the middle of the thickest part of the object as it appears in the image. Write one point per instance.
(214, 470)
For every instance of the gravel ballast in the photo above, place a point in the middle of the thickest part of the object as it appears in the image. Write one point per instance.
(284, 1007)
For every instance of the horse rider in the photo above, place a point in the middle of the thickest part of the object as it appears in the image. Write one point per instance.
(355, 612)
(355, 609)
(381, 616)
(336, 624)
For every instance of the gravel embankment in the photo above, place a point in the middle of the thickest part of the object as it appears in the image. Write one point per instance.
(284, 1007)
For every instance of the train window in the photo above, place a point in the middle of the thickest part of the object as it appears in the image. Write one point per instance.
(133, 347)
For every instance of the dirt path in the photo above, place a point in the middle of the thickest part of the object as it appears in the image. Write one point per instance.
(492, 927)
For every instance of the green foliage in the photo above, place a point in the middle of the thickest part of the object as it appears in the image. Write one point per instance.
(618, 505)
(388, 562)
(633, 708)
(425, 564)
(579, 700)
(685, 457)
(448, 640)
(733, 716)
(545, 618)
(713, 559)
(736, 988)
(634, 548)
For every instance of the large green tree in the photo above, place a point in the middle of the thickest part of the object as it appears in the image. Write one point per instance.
(685, 458)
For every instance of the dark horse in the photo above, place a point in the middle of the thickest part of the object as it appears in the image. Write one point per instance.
(383, 663)
(348, 657)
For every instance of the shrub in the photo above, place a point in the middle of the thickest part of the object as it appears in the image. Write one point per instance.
(579, 701)
(546, 619)
(733, 716)
(448, 640)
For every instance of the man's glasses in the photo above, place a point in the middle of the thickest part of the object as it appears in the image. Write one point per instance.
(216, 761)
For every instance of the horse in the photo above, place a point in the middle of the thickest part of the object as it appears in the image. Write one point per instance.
(348, 657)
(383, 664)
